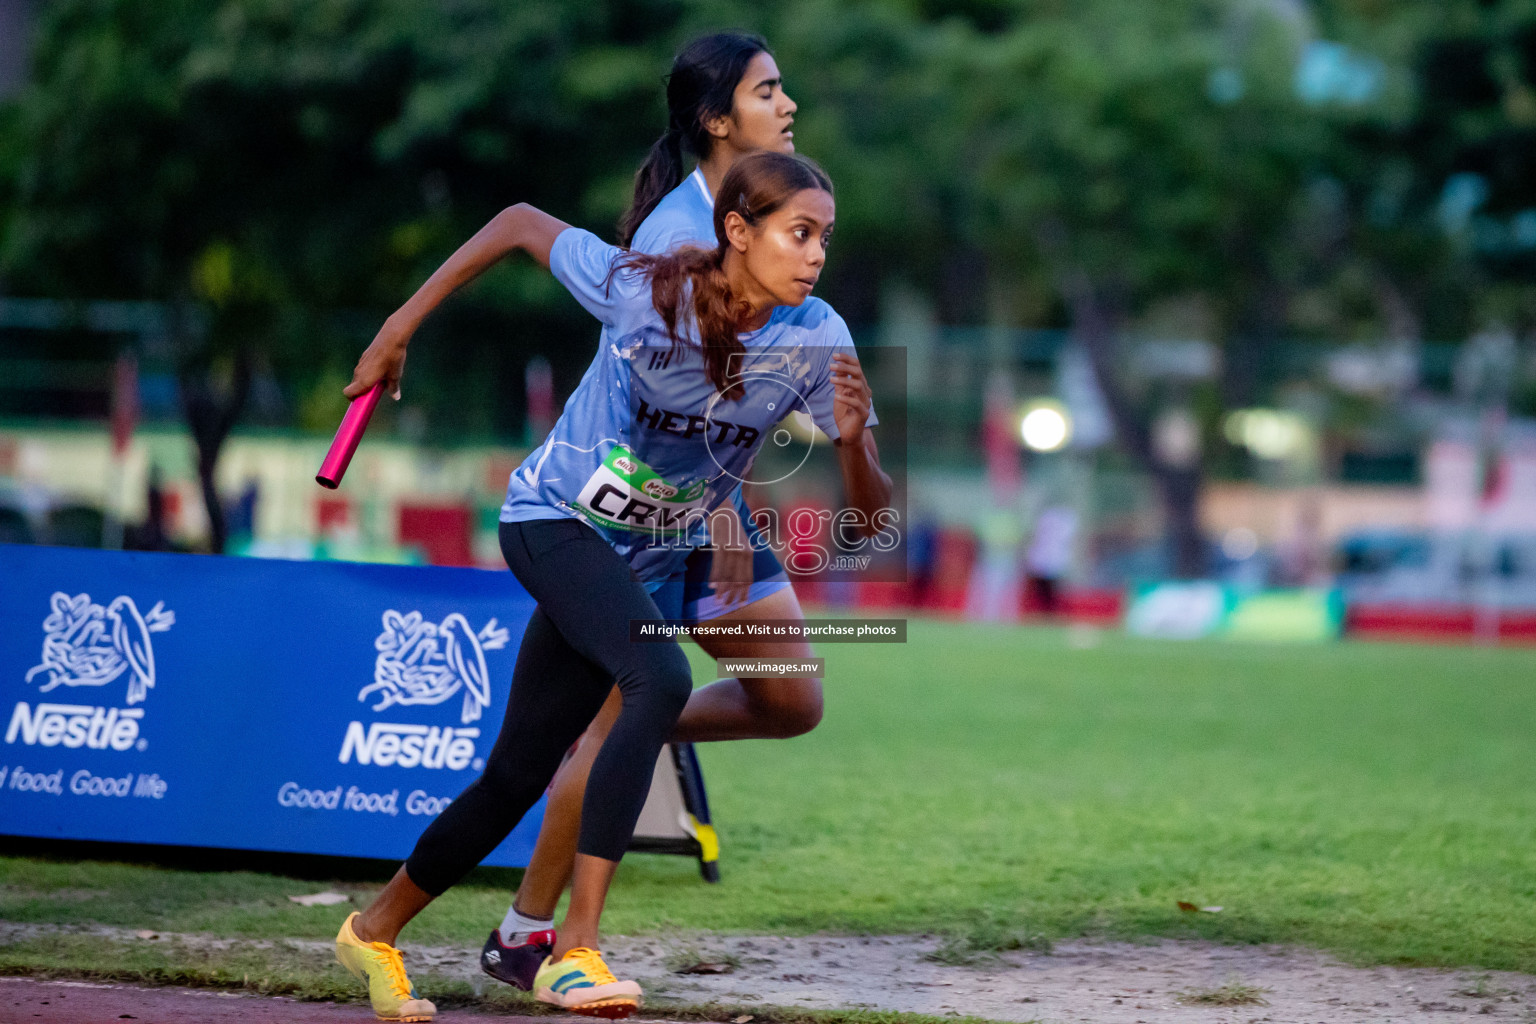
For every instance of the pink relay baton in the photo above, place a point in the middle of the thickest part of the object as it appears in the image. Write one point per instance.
(347, 435)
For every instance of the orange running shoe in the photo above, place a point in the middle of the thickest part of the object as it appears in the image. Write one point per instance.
(381, 967)
(581, 982)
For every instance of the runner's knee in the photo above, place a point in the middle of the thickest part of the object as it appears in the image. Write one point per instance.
(801, 717)
(668, 691)
(660, 686)
(792, 711)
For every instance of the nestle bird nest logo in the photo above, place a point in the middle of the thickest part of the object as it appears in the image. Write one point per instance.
(87, 644)
(422, 662)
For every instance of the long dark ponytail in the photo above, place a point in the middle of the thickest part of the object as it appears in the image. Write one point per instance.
(701, 86)
(754, 187)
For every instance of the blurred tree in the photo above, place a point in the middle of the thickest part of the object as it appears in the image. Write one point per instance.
(1430, 194)
(271, 162)
(1458, 163)
(1126, 153)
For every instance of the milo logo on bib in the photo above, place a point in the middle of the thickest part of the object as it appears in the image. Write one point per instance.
(626, 494)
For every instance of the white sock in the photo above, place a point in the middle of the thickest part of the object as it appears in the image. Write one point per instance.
(515, 927)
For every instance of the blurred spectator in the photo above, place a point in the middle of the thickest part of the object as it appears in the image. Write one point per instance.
(151, 535)
(922, 554)
(242, 513)
(1050, 556)
(996, 590)
(1300, 560)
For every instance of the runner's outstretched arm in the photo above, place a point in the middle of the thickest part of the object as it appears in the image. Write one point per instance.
(517, 227)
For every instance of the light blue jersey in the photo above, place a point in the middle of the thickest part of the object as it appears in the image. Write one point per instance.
(685, 216)
(646, 446)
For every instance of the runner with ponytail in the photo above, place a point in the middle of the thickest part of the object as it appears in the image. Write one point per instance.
(600, 517)
(725, 99)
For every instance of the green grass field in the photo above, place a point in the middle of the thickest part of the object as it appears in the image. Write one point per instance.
(1377, 801)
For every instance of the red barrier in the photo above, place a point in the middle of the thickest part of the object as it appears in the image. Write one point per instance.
(1434, 622)
(443, 532)
(885, 595)
(1102, 607)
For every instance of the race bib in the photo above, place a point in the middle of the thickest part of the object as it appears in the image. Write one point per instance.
(626, 494)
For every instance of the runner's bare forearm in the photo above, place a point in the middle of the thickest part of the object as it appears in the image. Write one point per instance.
(866, 486)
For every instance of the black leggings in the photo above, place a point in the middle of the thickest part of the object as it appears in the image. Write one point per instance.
(575, 650)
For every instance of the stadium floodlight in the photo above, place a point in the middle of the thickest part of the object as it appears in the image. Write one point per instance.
(1045, 426)
(1268, 433)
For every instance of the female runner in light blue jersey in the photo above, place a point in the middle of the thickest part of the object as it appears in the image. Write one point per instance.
(725, 99)
(702, 353)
